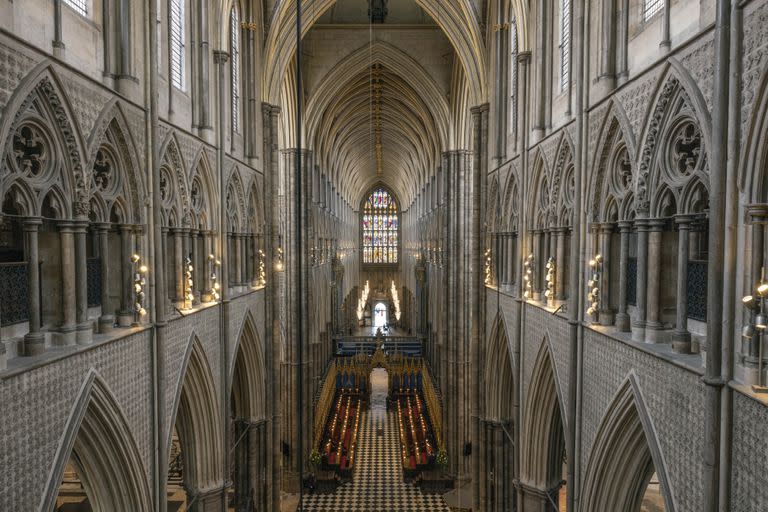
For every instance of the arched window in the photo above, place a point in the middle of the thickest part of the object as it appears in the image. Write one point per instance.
(651, 8)
(177, 43)
(513, 78)
(80, 6)
(379, 227)
(565, 43)
(234, 43)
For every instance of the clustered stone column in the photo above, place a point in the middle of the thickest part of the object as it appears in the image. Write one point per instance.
(653, 325)
(622, 316)
(605, 233)
(107, 318)
(66, 333)
(681, 338)
(561, 237)
(125, 316)
(638, 324)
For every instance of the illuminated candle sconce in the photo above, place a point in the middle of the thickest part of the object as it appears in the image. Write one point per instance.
(395, 301)
(189, 285)
(279, 260)
(262, 269)
(593, 287)
(139, 283)
(213, 264)
(754, 331)
(549, 293)
(488, 267)
(528, 277)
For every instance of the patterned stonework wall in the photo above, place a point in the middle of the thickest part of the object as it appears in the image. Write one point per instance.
(37, 405)
(673, 396)
(749, 475)
(541, 324)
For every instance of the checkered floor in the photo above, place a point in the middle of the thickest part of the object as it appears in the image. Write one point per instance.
(377, 485)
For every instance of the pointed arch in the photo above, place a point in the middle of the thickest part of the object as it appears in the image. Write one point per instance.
(545, 424)
(197, 421)
(499, 373)
(624, 456)
(98, 439)
(248, 373)
(753, 178)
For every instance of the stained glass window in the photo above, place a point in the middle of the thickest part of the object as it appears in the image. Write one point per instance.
(380, 228)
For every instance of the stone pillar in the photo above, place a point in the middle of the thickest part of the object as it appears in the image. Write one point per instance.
(178, 264)
(237, 239)
(638, 324)
(66, 333)
(197, 263)
(681, 337)
(84, 327)
(653, 325)
(207, 295)
(561, 234)
(511, 259)
(107, 318)
(604, 240)
(164, 263)
(34, 340)
(125, 315)
(622, 317)
(537, 263)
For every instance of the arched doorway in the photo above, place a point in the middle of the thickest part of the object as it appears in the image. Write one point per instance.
(380, 314)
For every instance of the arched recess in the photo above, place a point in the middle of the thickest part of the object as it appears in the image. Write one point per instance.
(249, 446)
(543, 437)
(197, 424)
(100, 444)
(496, 444)
(624, 457)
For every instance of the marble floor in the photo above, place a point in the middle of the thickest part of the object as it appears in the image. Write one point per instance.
(377, 484)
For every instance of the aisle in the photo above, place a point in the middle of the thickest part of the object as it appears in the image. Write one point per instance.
(377, 485)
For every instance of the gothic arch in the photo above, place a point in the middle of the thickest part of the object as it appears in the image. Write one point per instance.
(545, 424)
(197, 420)
(40, 123)
(613, 173)
(202, 192)
(102, 447)
(173, 181)
(678, 108)
(248, 373)
(499, 373)
(624, 455)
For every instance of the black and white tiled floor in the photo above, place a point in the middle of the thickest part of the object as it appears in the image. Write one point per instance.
(377, 485)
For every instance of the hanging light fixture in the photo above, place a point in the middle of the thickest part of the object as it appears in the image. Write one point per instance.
(549, 293)
(262, 270)
(213, 263)
(189, 293)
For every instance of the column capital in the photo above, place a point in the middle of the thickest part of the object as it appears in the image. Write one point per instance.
(103, 226)
(65, 226)
(220, 56)
(31, 223)
(625, 225)
(756, 213)
(524, 57)
(606, 227)
(657, 224)
(684, 220)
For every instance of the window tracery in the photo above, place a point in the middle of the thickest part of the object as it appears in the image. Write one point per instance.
(380, 228)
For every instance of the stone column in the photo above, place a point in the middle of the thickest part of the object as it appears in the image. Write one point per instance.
(125, 315)
(653, 325)
(237, 239)
(84, 327)
(66, 333)
(169, 276)
(604, 240)
(207, 295)
(512, 259)
(178, 264)
(538, 262)
(197, 263)
(622, 317)
(681, 338)
(638, 324)
(561, 234)
(34, 340)
(107, 318)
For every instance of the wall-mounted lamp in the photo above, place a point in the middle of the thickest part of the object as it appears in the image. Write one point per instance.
(139, 283)
(189, 285)
(488, 266)
(395, 301)
(758, 322)
(279, 260)
(213, 263)
(528, 277)
(593, 286)
(549, 293)
(262, 269)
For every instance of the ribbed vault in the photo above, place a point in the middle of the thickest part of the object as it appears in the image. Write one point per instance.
(409, 118)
